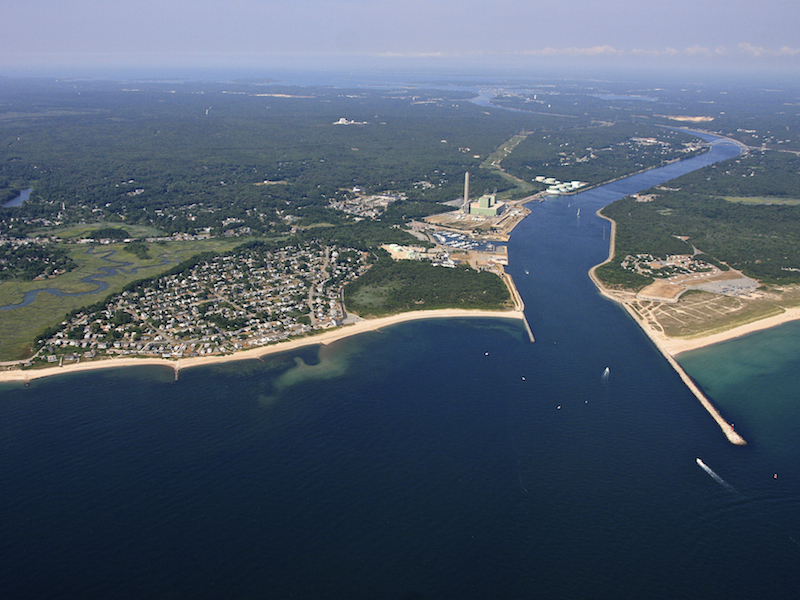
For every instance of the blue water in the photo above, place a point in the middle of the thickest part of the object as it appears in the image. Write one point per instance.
(437, 459)
(23, 197)
(96, 279)
(756, 381)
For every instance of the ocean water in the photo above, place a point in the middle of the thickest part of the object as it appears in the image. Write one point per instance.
(755, 380)
(437, 459)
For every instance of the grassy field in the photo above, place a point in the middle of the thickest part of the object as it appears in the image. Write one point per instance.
(20, 326)
(371, 298)
(75, 232)
(492, 162)
(702, 313)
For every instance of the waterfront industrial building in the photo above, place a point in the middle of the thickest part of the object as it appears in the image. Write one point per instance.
(487, 206)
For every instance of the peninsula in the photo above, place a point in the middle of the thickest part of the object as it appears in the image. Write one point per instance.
(670, 347)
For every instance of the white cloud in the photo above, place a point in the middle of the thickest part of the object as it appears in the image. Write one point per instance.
(572, 51)
(760, 52)
(696, 51)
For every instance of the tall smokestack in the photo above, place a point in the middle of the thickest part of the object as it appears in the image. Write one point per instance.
(466, 192)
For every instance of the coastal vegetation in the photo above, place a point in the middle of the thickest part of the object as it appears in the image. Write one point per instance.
(156, 173)
(762, 240)
(393, 286)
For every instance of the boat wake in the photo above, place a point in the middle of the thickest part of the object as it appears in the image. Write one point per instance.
(716, 477)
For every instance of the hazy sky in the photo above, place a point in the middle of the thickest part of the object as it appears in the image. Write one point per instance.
(247, 32)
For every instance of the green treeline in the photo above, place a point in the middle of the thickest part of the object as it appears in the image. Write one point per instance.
(759, 174)
(364, 235)
(614, 276)
(763, 241)
(595, 154)
(396, 286)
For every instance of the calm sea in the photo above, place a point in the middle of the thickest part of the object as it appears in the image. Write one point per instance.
(439, 459)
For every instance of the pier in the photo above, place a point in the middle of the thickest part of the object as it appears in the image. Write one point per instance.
(519, 305)
(727, 428)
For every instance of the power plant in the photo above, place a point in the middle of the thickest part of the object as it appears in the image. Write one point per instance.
(465, 206)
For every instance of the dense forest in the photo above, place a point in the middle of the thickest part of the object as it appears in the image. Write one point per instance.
(193, 157)
(596, 154)
(757, 175)
(395, 286)
(763, 241)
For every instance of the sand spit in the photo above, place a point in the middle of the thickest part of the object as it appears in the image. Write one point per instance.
(667, 346)
(326, 337)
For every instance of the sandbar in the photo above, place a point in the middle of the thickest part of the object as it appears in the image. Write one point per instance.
(326, 337)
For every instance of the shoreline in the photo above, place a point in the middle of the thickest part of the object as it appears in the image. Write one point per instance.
(676, 346)
(669, 350)
(327, 337)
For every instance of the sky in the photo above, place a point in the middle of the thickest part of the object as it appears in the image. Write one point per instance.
(729, 34)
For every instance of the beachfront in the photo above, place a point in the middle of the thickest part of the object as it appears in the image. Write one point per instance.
(327, 337)
(671, 347)
(674, 346)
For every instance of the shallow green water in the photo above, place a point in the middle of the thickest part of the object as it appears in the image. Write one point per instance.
(755, 381)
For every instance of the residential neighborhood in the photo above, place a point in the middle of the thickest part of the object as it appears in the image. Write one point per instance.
(219, 305)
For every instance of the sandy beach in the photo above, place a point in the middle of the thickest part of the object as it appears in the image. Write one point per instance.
(663, 344)
(671, 347)
(675, 345)
(326, 337)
